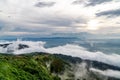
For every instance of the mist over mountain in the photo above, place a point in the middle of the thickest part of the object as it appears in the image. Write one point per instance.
(59, 40)
(45, 66)
(83, 60)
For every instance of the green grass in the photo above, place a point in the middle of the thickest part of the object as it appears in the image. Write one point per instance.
(28, 67)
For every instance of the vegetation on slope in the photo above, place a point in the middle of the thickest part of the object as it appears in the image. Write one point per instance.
(30, 67)
(43, 66)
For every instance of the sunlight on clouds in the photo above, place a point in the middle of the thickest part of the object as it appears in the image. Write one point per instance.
(93, 25)
(62, 17)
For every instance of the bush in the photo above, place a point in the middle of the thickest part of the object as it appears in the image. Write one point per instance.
(57, 66)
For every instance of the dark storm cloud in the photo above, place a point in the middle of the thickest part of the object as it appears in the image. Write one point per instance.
(44, 4)
(52, 22)
(2, 24)
(95, 2)
(77, 2)
(0, 10)
(91, 2)
(57, 21)
(110, 13)
(0, 27)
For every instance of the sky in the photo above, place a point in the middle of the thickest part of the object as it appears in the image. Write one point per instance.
(39, 18)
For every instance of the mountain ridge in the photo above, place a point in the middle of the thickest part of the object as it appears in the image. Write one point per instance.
(68, 67)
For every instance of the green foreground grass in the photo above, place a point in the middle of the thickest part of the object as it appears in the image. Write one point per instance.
(30, 67)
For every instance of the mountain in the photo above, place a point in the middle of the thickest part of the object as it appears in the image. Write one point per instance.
(45, 66)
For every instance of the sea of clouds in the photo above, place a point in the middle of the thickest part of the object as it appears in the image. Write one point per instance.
(109, 73)
(68, 49)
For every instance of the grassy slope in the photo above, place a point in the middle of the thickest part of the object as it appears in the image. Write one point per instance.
(26, 67)
(35, 67)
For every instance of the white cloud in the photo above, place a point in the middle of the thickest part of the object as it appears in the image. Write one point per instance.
(63, 16)
(109, 73)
